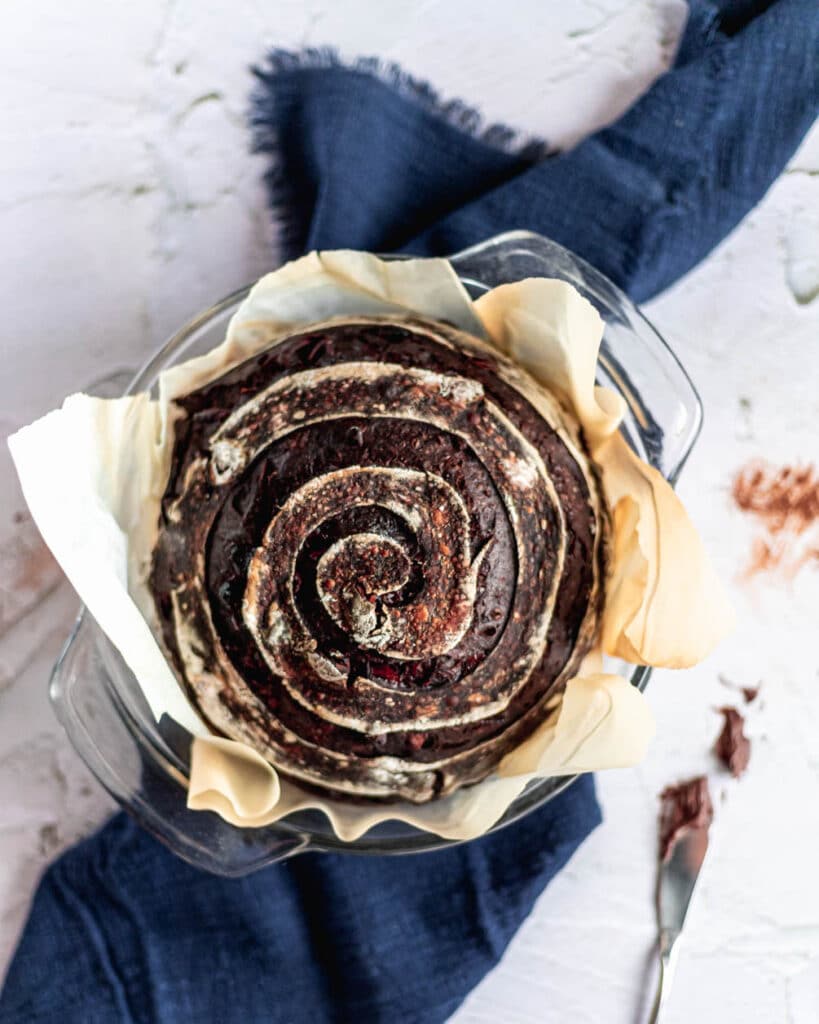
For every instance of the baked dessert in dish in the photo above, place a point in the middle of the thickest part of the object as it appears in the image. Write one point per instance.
(369, 543)
(380, 556)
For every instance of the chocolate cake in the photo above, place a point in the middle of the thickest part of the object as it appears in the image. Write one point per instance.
(380, 556)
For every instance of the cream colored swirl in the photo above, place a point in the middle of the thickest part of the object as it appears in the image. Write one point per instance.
(357, 571)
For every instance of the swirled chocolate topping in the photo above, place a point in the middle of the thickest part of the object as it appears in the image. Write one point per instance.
(379, 557)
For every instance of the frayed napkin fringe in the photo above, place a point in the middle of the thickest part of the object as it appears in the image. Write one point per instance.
(287, 215)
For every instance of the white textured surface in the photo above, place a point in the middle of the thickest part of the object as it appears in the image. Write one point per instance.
(128, 201)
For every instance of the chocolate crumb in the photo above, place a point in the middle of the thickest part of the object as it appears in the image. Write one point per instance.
(749, 693)
(733, 747)
(684, 808)
(784, 498)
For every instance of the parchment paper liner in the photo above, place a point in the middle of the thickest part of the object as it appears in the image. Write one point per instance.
(94, 471)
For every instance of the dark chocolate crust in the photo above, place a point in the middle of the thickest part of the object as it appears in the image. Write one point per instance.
(380, 554)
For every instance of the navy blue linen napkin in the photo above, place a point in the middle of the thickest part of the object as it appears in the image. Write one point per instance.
(121, 930)
(380, 164)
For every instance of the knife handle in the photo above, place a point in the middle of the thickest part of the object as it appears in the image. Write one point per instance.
(668, 963)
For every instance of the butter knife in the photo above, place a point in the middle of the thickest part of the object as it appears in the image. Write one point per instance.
(678, 875)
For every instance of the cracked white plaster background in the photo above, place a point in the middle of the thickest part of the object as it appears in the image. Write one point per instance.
(128, 201)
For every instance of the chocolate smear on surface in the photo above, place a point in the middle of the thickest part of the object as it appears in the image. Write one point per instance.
(733, 747)
(785, 502)
(684, 808)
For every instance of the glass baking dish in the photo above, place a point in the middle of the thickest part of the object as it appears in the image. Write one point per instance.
(145, 765)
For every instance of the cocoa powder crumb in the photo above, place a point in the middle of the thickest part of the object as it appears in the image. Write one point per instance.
(750, 693)
(785, 503)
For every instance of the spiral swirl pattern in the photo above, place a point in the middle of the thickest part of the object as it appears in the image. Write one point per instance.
(379, 556)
